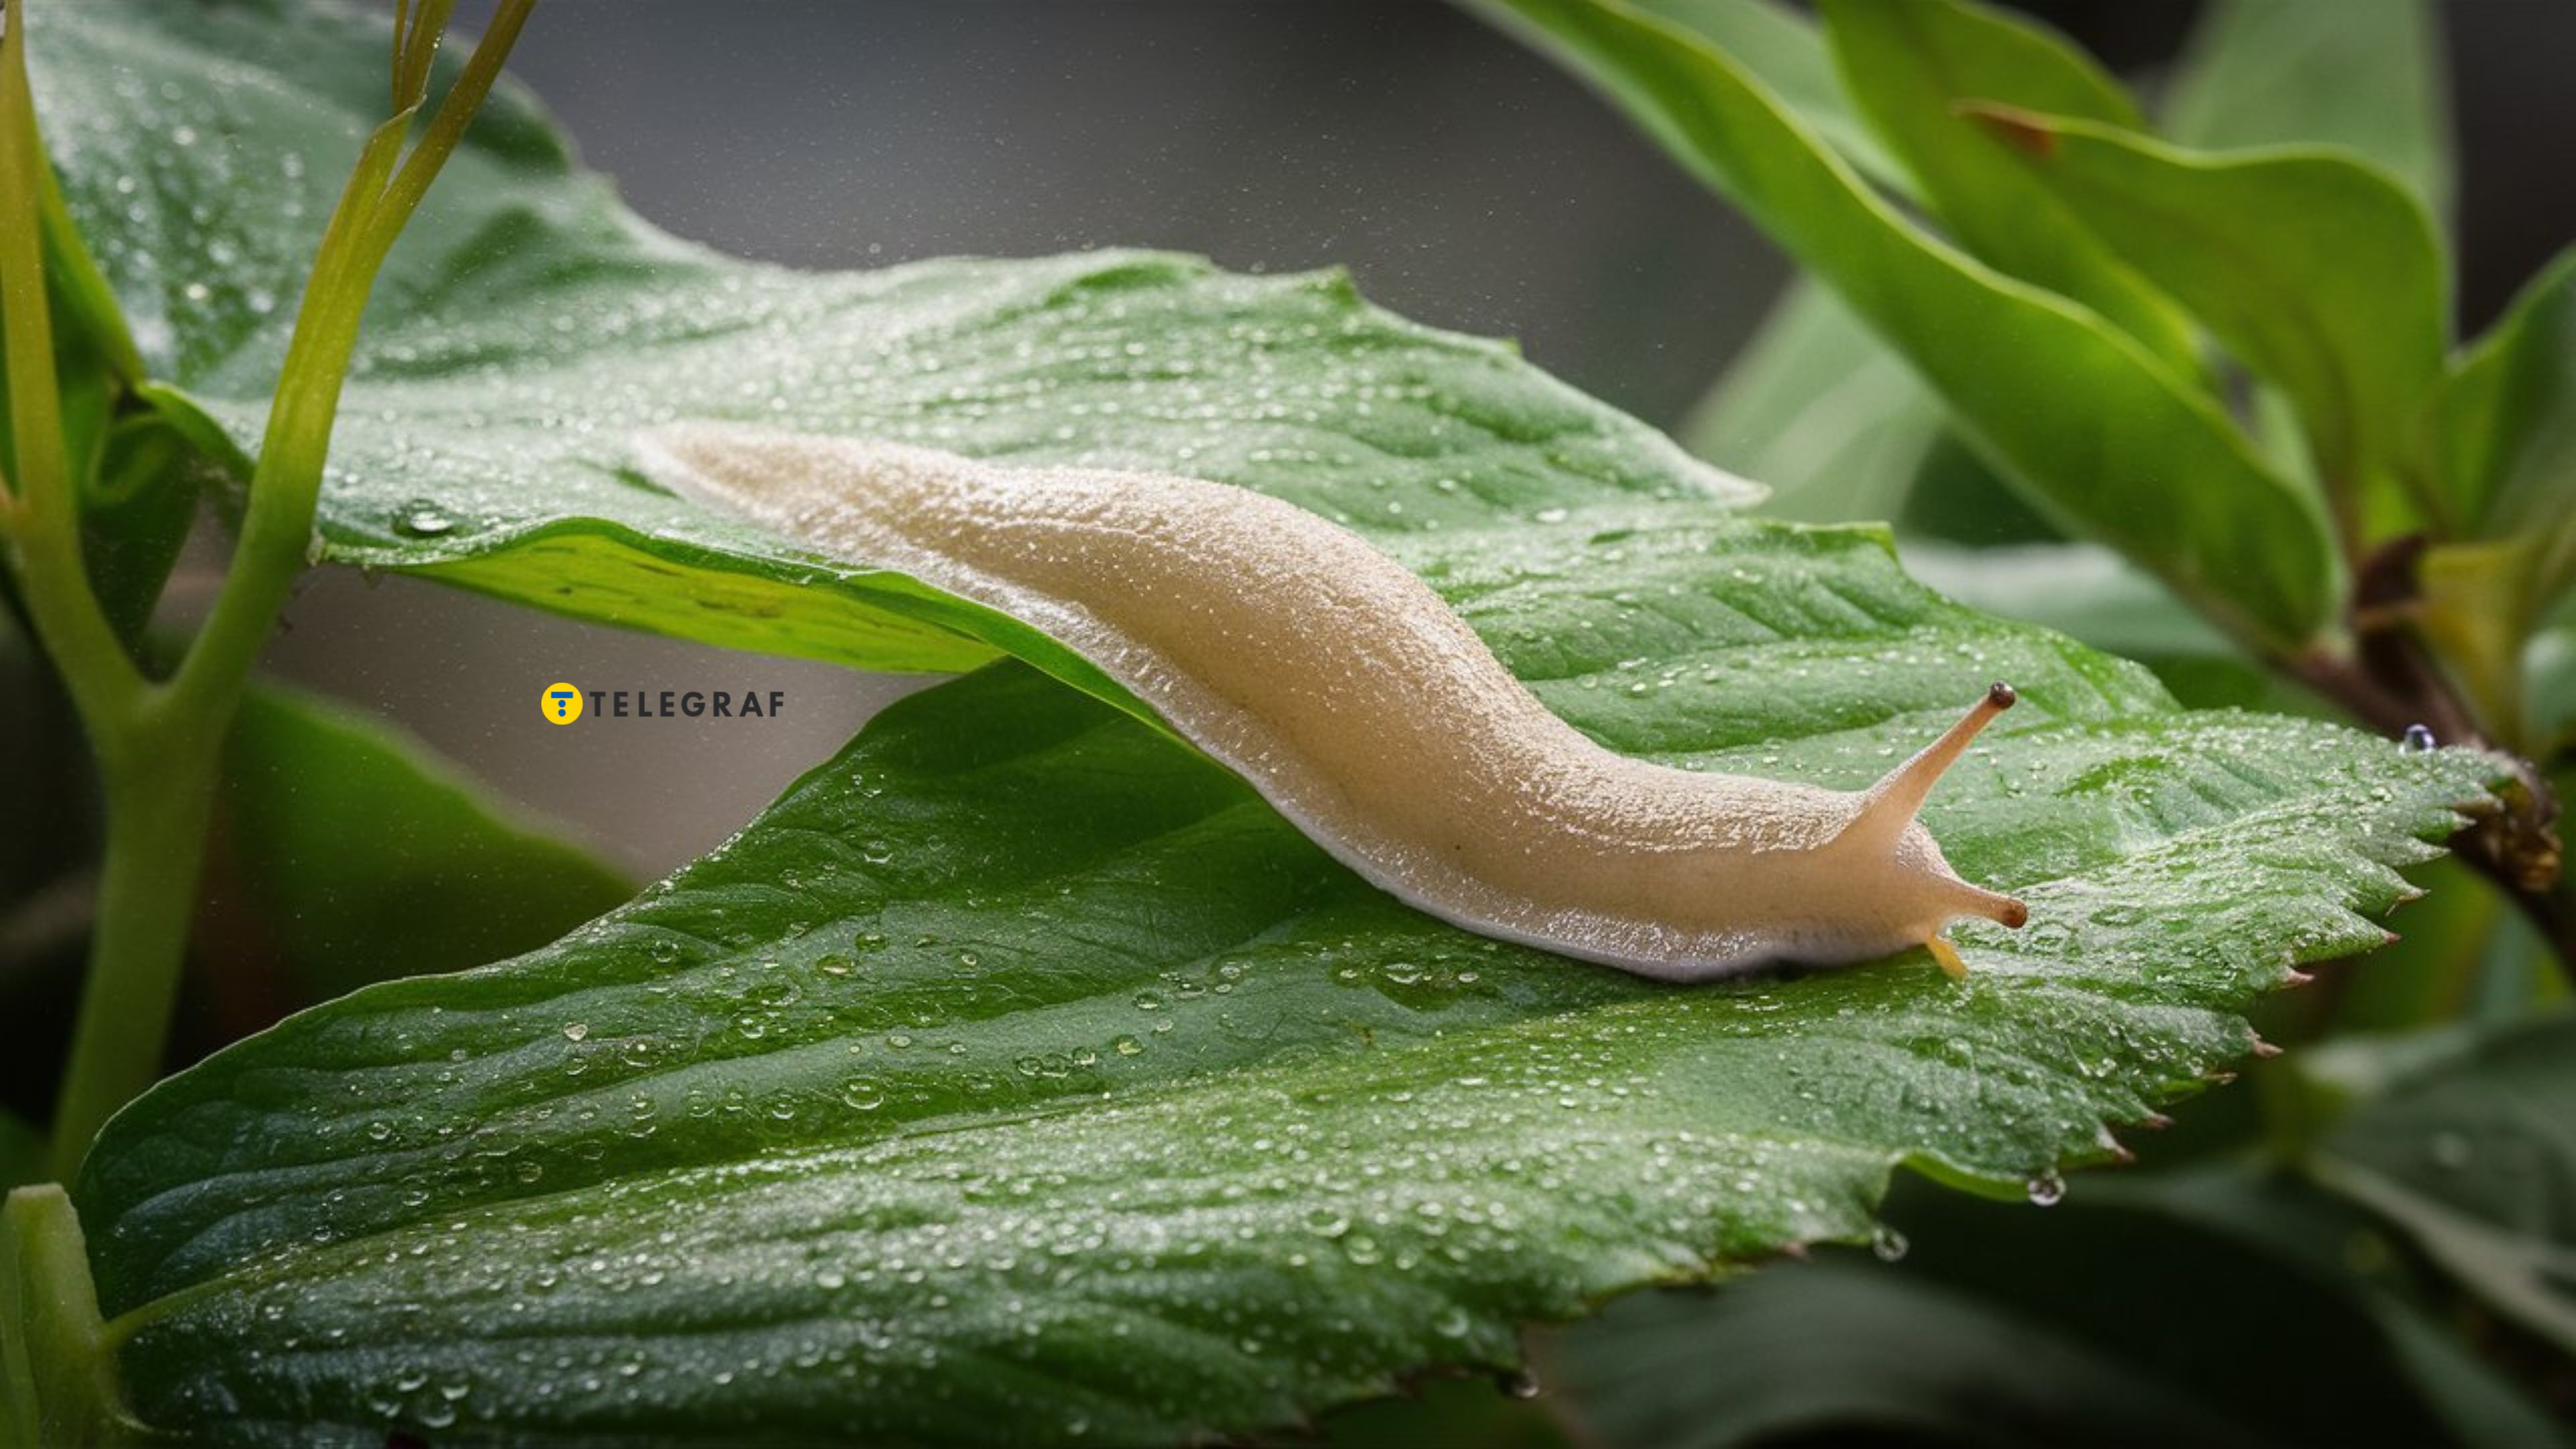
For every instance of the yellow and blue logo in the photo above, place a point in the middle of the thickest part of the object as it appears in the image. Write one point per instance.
(562, 703)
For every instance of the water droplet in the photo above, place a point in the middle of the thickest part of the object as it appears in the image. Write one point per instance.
(2419, 740)
(422, 518)
(1887, 1244)
(576, 1030)
(2046, 1189)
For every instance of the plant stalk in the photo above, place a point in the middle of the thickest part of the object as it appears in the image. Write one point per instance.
(159, 745)
(159, 796)
(2391, 683)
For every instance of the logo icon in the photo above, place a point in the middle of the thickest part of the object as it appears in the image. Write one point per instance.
(562, 703)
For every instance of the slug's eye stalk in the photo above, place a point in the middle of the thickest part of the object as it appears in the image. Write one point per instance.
(1891, 805)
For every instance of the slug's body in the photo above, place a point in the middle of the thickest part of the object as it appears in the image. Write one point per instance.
(1360, 705)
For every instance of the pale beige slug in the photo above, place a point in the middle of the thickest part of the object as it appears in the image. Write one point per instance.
(1361, 706)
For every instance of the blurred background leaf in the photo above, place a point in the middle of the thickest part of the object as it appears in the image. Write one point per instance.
(349, 853)
(2316, 270)
(2366, 74)
(2130, 1314)
(2471, 1151)
(2148, 463)
(1910, 65)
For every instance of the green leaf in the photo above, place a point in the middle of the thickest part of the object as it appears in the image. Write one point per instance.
(2143, 461)
(2504, 459)
(1784, 50)
(1021, 1070)
(137, 504)
(1833, 1350)
(2471, 1156)
(2504, 426)
(2363, 74)
(526, 324)
(1020, 1076)
(2077, 588)
(2315, 269)
(1841, 428)
(354, 854)
(1972, 1338)
(1915, 65)
(1818, 408)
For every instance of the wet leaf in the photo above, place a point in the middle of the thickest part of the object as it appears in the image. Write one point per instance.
(1023, 1038)
(527, 324)
(1020, 1076)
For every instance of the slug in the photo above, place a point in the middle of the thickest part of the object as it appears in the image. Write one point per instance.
(1354, 700)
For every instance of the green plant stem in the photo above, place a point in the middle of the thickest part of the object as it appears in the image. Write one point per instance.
(57, 1367)
(42, 516)
(157, 745)
(160, 781)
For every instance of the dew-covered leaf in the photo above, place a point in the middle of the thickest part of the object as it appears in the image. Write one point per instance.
(527, 324)
(1020, 1077)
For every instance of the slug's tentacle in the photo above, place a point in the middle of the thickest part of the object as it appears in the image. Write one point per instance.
(1887, 810)
(1889, 806)
(1352, 698)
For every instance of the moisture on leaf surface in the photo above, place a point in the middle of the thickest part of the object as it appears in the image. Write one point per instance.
(1019, 1076)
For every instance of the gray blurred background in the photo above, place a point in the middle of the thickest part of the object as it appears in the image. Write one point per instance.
(1462, 181)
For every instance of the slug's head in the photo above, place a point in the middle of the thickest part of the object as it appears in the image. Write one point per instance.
(1894, 866)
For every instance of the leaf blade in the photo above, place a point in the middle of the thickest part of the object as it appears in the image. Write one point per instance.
(2142, 468)
(1915, 66)
(2315, 269)
(2366, 75)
